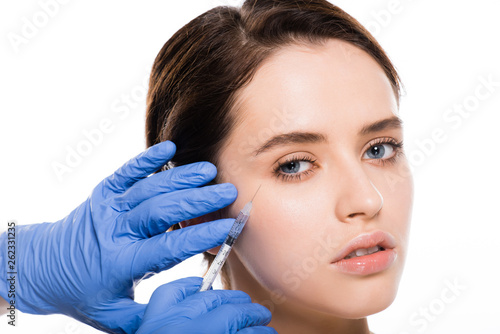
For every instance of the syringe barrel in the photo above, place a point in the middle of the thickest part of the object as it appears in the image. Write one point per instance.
(239, 223)
(226, 247)
(215, 267)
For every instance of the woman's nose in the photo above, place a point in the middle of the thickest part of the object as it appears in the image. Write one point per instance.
(358, 197)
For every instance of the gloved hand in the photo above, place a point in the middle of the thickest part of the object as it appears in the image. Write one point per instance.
(177, 308)
(87, 265)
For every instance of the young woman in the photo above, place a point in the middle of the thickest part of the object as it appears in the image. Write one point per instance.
(297, 98)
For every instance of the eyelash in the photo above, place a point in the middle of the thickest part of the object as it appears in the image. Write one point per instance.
(396, 145)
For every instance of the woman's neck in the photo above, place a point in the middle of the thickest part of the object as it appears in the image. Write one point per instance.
(292, 319)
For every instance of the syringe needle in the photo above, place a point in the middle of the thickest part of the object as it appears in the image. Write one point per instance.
(256, 193)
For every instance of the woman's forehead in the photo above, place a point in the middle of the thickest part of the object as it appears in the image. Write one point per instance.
(302, 86)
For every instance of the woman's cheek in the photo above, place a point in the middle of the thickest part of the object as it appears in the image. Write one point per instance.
(275, 239)
(398, 204)
(396, 187)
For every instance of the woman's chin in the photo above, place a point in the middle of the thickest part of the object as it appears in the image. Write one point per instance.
(357, 303)
(362, 306)
(365, 310)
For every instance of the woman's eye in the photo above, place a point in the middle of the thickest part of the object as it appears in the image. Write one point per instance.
(296, 166)
(380, 151)
(385, 151)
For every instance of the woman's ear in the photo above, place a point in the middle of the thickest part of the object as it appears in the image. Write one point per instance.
(195, 221)
(190, 222)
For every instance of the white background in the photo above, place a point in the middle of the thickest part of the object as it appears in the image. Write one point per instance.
(89, 55)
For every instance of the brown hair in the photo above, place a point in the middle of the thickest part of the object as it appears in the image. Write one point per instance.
(198, 71)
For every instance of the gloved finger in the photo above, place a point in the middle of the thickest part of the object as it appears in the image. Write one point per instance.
(139, 167)
(178, 178)
(205, 302)
(258, 330)
(157, 214)
(121, 316)
(179, 300)
(168, 249)
(235, 317)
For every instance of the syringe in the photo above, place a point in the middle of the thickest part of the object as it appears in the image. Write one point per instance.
(226, 247)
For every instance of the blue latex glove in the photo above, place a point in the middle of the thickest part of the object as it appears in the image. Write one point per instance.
(87, 264)
(177, 308)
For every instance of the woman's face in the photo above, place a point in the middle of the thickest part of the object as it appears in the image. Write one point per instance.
(317, 130)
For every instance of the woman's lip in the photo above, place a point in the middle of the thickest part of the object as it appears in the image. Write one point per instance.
(367, 264)
(367, 240)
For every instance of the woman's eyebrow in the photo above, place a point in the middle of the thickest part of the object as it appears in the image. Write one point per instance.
(299, 137)
(393, 122)
(296, 137)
